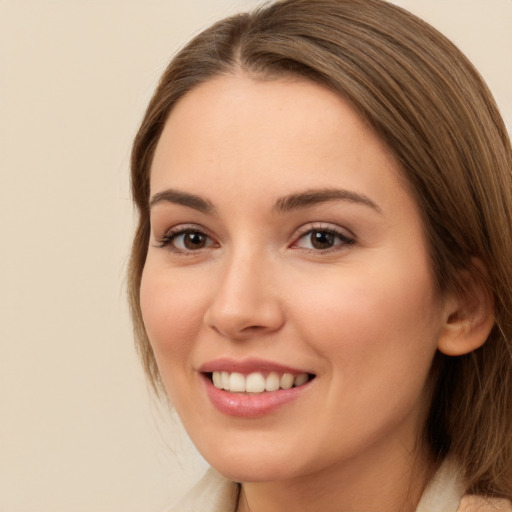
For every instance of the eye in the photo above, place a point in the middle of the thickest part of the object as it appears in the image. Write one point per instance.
(186, 240)
(323, 239)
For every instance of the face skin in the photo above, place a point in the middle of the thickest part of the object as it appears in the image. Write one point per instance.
(358, 309)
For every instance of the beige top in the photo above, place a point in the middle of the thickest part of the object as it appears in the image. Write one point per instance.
(214, 493)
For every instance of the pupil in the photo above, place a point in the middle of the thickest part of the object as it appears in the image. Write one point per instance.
(322, 239)
(194, 241)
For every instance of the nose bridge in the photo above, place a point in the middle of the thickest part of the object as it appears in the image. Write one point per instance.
(244, 301)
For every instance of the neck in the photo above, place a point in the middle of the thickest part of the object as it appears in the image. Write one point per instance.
(393, 482)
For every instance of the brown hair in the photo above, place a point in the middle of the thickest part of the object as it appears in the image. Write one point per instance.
(432, 109)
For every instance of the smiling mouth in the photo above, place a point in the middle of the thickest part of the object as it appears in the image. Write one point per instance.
(257, 382)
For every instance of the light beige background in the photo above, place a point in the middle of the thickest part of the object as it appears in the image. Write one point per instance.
(78, 429)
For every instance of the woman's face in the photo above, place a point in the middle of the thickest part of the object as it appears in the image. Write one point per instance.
(286, 250)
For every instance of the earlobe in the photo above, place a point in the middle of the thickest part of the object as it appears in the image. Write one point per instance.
(469, 315)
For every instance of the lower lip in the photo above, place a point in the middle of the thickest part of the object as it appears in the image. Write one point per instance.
(251, 405)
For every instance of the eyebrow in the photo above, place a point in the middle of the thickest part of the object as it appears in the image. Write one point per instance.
(183, 198)
(283, 204)
(313, 197)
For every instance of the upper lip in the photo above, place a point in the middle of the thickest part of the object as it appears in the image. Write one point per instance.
(246, 366)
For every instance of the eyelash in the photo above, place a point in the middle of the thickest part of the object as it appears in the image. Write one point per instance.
(168, 239)
(343, 238)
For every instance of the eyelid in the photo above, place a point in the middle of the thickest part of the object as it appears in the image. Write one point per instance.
(348, 238)
(324, 226)
(169, 235)
(165, 240)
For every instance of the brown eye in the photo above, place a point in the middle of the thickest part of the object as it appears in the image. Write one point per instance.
(322, 239)
(187, 240)
(193, 240)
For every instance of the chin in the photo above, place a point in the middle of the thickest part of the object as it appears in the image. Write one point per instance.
(253, 471)
(255, 463)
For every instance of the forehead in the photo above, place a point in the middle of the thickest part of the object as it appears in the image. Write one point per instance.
(235, 132)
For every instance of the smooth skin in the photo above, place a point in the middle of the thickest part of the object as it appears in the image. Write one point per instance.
(339, 286)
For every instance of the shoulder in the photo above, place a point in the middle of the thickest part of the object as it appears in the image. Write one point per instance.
(211, 494)
(445, 493)
(445, 490)
(472, 503)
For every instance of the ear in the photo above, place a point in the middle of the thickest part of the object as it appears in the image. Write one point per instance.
(469, 314)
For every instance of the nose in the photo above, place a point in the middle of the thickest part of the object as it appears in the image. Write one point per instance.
(245, 302)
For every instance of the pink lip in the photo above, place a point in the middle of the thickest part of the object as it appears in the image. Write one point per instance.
(248, 405)
(247, 366)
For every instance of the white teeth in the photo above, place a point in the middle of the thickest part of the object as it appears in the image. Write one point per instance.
(287, 381)
(224, 380)
(237, 383)
(256, 382)
(300, 379)
(272, 382)
(217, 380)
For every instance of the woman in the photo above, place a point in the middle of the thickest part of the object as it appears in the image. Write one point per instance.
(320, 280)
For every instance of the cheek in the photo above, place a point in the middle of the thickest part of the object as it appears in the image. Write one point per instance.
(377, 337)
(172, 316)
(374, 322)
